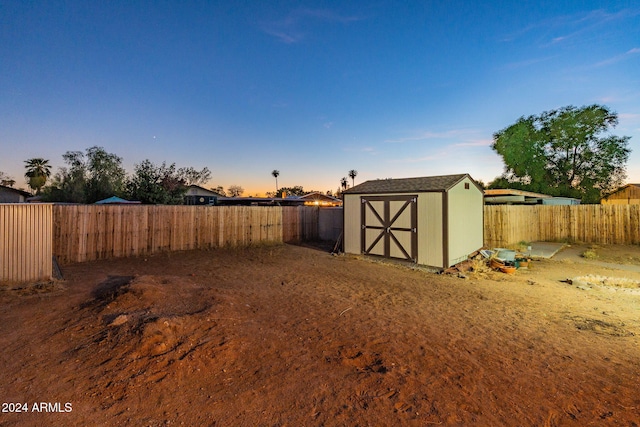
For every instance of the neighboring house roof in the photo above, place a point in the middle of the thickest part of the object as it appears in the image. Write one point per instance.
(113, 200)
(406, 185)
(510, 192)
(264, 201)
(15, 190)
(316, 195)
(196, 190)
(501, 196)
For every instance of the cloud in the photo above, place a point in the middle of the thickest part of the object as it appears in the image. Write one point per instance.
(629, 118)
(568, 28)
(289, 30)
(428, 135)
(475, 143)
(370, 150)
(618, 58)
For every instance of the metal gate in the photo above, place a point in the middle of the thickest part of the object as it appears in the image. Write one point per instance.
(390, 226)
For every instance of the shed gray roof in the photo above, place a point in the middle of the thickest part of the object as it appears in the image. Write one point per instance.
(406, 185)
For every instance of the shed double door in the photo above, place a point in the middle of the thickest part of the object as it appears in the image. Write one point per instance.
(390, 226)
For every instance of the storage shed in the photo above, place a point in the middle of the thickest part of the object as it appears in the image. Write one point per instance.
(435, 221)
(627, 195)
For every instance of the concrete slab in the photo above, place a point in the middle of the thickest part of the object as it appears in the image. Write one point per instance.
(573, 253)
(545, 249)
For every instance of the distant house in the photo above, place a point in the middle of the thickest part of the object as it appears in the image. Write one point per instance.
(627, 195)
(13, 195)
(197, 195)
(316, 198)
(259, 201)
(113, 200)
(519, 197)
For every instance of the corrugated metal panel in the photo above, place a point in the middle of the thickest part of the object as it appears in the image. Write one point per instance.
(25, 242)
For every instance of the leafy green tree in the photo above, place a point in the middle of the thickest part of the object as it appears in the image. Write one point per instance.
(191, 176)
(564, 152)
(106, 175)
(235, 191)
(6, 180)
(164, 184)
(145, 185)
(161, 185)
(220, 190)
(38, 171)
(88, 177)
(69, 182)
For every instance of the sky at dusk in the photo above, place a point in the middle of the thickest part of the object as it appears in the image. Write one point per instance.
(313, 89)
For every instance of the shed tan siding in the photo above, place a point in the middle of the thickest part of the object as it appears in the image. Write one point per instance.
(430, 250)
(352, 223)
(465, 221)
(25, 242)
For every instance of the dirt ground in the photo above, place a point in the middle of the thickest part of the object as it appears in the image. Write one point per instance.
(293, 336)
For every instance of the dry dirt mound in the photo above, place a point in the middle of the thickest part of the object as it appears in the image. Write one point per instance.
(139, 326)
(145, 315)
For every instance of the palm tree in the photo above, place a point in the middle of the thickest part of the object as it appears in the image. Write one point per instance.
(344, 183)
(352, 174)
(38, 170)
(275, 174)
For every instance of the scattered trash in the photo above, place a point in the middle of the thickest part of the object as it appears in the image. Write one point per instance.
(497, 259)
(506, 255)
(507, 260)
(486, 253)
(509, 269)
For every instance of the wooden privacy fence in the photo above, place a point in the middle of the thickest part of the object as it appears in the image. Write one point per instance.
(31, 234)
(605, 224)
(25, 243)
(90, 232)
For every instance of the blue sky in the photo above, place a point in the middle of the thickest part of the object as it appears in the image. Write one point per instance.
(313, 89)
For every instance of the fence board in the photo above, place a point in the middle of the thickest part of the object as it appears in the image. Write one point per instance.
(506, 225)
(90, 232)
